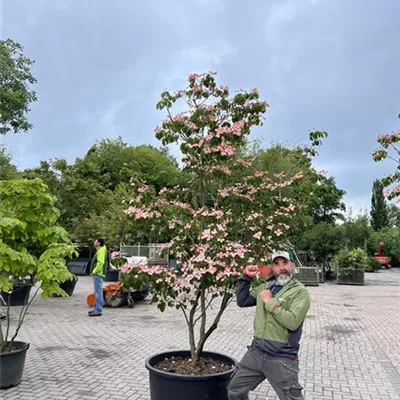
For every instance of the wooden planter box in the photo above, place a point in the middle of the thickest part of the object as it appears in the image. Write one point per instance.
(308, 276)
(357, 278)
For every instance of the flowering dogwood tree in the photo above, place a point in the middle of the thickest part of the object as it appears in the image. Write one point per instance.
(389, 150)
(218, 224)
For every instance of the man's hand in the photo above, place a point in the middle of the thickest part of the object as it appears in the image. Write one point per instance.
(266, 295)
(251, 271)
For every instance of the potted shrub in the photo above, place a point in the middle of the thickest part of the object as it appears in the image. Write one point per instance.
(31, 244)
(226, 216)
(350, 267)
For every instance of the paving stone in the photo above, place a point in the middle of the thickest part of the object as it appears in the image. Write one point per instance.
(349, 349)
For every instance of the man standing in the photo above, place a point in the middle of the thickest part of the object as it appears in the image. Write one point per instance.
(281, 307)
(98, 271)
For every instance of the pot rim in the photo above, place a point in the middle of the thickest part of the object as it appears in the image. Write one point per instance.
(25, 347)
(217, 375)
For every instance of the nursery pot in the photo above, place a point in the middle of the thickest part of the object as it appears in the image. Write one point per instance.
(112, 275)
(68, 286)
(167, 386)
(19, 295)
(12, 365)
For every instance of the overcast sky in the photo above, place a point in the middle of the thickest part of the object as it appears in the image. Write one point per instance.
(101, 65)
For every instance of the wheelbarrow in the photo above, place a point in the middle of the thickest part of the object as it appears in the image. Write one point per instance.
(116, 295)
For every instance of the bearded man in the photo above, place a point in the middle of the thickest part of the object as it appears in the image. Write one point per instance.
(281, 307)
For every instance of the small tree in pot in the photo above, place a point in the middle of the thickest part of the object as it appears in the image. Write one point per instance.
(225, 217)
(31, 244)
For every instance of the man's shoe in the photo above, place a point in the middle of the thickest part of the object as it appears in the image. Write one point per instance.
(95, 314)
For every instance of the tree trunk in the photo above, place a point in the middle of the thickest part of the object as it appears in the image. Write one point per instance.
(212, 328)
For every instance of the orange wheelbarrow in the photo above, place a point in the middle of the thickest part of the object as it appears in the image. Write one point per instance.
(114, 295)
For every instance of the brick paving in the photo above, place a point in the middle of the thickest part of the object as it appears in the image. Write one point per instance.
(350, 346)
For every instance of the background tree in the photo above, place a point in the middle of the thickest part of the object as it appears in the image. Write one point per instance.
(90, 191)
(16, 95)
(7, 169)
(357, 232)
(327, 201)
(379, 212)
(393, 215)
(391, 239)
(323, 240)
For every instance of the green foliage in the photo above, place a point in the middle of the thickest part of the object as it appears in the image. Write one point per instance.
(357, 232)
(393, 215)
(323, 240)
(327, 204)
(7, 169)
(30, 241)
(118, 262)
(90, 192)
(379, 211)
(391, 240)
(317, 198)
(373, 265)
(15, 93)
(350, 262)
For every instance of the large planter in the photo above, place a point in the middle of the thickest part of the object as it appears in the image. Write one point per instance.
(308, 276)
(169, 386)
(19, 296)
(356, 278)
(12, 365)
(112, 275)
(68, 286)
(141, 294)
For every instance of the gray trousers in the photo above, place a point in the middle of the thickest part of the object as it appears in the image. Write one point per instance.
(255, 366)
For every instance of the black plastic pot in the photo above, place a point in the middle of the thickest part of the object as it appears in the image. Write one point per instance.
(12, 365)
(168, 386)
(19, 296)
(112, 275)
(68, 286)
(141, 294)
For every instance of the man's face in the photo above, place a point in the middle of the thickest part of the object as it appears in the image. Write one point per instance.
(96, 244)
(282, 269)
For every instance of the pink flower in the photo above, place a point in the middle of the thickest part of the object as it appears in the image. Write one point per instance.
(257, 235)
(387, 193)
(278, 232)
(206, 234)
(223, 193)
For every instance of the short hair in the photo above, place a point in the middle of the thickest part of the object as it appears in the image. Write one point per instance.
(101, 241)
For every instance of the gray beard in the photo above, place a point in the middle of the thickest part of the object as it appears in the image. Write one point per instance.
(283, 281)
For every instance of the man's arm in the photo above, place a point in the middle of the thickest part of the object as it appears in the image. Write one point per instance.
(292, 318)
(243, 296)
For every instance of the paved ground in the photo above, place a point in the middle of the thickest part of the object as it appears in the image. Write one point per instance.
(350, 348)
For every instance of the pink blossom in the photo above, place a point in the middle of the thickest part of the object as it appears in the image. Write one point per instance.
(223, 193)
(206, 234)
(278, 232)
(257, 235)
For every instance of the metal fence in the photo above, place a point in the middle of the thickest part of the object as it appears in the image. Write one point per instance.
(155, 253)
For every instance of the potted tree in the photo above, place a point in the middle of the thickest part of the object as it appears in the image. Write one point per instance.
(31, 244)
(225, 216)
(350, 267)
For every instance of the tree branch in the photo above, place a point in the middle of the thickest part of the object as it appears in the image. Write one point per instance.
(214, 325)
(24, 310)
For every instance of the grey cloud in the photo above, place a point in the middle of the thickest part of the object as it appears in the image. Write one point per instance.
(320, 64)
